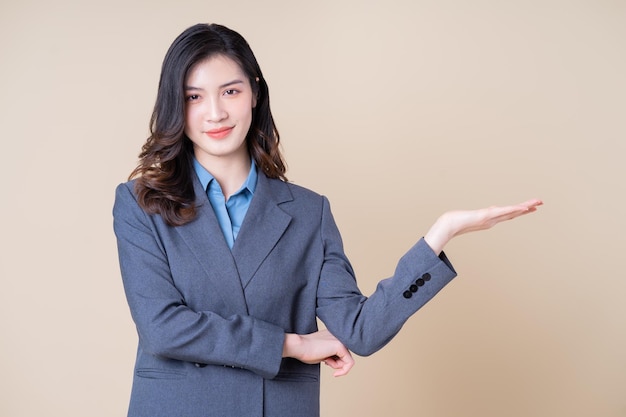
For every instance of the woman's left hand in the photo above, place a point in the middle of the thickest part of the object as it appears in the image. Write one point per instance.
(458, 222)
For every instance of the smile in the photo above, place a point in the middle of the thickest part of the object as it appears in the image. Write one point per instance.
(220, 133)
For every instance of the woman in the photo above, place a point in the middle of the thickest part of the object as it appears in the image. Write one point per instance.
(226, 266)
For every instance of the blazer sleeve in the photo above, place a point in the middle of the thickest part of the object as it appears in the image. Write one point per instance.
(167, 327)
(366, 324)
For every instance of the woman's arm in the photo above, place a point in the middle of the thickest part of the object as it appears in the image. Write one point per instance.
(167, 326)
(366, 324)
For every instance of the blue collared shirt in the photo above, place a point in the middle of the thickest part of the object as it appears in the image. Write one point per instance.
(230, 214)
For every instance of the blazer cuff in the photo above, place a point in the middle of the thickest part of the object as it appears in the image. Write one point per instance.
(266, 349)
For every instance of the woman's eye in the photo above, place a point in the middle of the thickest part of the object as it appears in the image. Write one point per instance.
(193, 97)
(230, 92)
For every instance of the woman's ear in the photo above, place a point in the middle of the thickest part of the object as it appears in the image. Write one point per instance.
(257, 89)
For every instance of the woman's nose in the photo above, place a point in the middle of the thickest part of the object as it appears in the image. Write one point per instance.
(215, 111)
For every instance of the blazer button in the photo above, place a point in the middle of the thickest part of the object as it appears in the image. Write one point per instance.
(407, 294)
(419, 282)
(426, 276)
(413, 288)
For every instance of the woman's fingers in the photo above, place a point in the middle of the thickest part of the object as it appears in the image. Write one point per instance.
(471, 220)
(320, 346)
(458, 222)
(342, 365)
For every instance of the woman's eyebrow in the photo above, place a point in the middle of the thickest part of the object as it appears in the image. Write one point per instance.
(231, 83)
(228, 84)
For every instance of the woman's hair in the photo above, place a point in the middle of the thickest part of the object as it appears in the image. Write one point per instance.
(164, 183)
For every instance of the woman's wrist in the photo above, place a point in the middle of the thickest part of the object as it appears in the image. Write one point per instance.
(292, 340)
(438, 235)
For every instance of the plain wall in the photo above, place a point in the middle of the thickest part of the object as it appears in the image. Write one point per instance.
(396, 110)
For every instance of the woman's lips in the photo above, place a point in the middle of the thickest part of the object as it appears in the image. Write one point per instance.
(220, 133)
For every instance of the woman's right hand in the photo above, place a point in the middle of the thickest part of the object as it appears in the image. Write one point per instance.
(317, 347)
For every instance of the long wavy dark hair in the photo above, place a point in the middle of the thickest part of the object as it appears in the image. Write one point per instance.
(164, 182)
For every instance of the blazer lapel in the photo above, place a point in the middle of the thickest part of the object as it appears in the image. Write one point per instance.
(206, 240)
(263, 225)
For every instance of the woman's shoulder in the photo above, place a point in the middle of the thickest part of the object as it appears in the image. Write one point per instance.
(296, 193)
(126, 195)
(127, 187)
(302, 193)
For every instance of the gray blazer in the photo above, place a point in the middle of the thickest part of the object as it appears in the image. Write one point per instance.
(211, 321)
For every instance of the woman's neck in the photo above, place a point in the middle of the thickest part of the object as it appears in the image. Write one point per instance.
(230, 173)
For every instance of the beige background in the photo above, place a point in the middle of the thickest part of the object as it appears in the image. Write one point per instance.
(398, 111)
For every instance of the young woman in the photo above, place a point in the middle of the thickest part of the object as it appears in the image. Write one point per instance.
(226, 265)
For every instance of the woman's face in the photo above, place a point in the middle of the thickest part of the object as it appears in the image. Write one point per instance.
(218, 110)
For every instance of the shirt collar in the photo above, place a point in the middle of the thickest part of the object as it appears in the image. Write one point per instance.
(205, 176)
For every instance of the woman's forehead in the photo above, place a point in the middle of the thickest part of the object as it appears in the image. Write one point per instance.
(215, 70)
